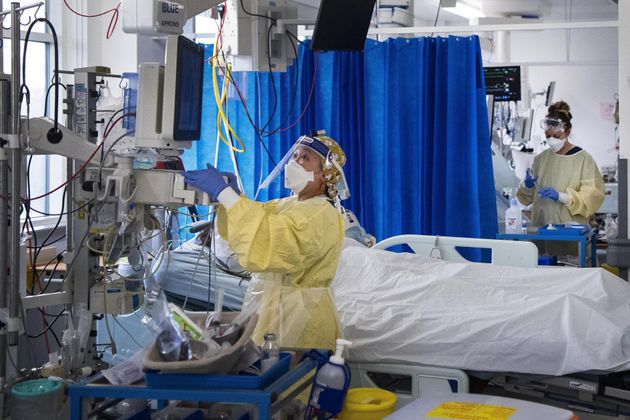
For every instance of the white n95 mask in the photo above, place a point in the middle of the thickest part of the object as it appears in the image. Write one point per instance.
(296, 177)
(555, 144)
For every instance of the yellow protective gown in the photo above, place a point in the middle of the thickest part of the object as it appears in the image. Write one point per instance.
(576, 175)
(292, 247)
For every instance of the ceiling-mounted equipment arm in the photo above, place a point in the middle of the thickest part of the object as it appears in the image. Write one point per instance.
(151, 17)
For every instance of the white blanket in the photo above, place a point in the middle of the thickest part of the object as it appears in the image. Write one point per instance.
(408, 308)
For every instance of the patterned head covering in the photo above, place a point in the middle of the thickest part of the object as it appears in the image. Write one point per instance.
(331, 153)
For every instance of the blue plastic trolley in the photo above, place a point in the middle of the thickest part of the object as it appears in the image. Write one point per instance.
(581, 234)
(206, 388)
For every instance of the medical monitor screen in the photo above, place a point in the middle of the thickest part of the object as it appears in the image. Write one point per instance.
(342, 25)
(504, 83)
(188, 90)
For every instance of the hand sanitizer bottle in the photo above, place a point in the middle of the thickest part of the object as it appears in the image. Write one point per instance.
(514, 218)
(331, 382)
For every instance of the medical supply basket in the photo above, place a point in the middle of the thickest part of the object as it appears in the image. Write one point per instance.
(232, 391)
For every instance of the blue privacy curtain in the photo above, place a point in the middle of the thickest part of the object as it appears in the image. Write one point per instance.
(410, 115)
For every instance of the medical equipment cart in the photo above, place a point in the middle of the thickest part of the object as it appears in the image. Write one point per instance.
(266, 400)
(584, 237)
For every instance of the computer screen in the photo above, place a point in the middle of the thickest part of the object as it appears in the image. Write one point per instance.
(188, 90)
(183, 89)
(504, 83)
(342, 25)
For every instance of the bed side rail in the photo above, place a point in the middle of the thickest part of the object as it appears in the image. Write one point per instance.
(507, 253)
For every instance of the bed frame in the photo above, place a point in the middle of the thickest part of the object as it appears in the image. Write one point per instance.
(409, 381)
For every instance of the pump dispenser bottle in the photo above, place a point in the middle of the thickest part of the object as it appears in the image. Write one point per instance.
(331, 382)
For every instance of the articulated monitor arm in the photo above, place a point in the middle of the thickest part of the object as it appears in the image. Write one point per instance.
(70, 145)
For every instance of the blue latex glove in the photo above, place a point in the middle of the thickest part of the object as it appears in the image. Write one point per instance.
(208, 180)
(549, 193)
(232, 182)
(530, 179)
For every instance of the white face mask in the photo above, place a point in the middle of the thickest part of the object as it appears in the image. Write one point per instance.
(296, 177)
(555, 144)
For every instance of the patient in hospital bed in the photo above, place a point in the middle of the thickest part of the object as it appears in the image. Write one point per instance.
(409, 308)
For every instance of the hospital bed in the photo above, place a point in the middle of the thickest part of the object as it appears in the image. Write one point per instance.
(410, 378)
(592, 391)
(409, 381)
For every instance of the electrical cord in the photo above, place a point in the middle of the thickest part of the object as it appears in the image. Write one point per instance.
(111, 117)
(256, 15)
(44, 243)
(27, 207)
(58, 258)
(51, 276)
(52, 331)
(219, 36)
(271, 78)
(228, 74)
(69, 180)
(67, 213)
(98, 207)
(295, 87)
(292, 35)
(310, 96)
(52, 84)
(106, 133)
(54, 134)
(48, 327)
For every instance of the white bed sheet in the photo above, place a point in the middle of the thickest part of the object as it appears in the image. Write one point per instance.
(409, 308)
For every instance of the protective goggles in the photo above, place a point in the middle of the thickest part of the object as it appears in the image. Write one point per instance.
(552, 124)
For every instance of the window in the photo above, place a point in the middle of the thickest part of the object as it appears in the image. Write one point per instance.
(46, 172)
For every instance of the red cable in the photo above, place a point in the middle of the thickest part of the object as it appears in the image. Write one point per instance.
(310, 95)
(69, 180)
(219, 35)
(90, 16)
(77, 173)
(112, 23)
(308, 101)
(111, 127)
(33, 275)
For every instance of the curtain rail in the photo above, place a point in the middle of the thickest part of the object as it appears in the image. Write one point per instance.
(485, 28)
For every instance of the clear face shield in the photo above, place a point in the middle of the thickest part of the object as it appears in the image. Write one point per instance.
(307, 151)
(552, 125)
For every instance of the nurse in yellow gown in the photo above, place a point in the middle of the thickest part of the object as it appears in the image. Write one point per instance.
(291, 245)
(564, 184)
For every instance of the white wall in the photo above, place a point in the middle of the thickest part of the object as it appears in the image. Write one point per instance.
(584, 88)
(83, 40)
(586, 78)
(118, 52)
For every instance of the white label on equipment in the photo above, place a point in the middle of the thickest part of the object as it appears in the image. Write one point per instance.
(582, 386)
